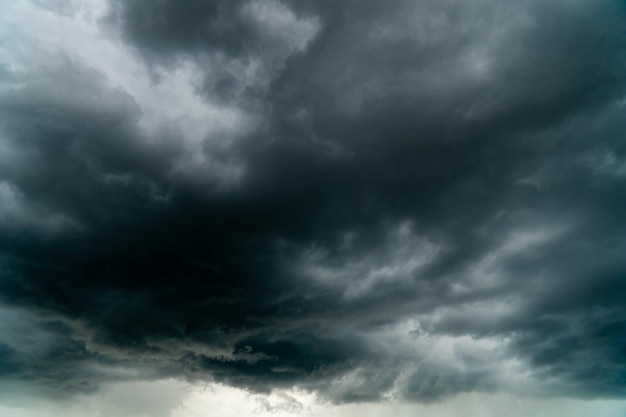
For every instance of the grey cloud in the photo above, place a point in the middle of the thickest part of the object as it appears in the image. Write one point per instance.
(63, 7)
(431, 199)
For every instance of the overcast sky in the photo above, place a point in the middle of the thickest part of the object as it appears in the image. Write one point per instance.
(312, 207)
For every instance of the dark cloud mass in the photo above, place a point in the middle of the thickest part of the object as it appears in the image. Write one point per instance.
(414, 198)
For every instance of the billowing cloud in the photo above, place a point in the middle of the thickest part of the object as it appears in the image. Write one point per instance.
(366, 201)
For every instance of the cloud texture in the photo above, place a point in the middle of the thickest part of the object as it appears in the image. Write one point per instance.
(366, 199)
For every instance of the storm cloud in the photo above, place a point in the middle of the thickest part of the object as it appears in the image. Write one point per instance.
(363, 199)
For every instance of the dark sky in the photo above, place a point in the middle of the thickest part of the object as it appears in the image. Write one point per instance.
(361, 199)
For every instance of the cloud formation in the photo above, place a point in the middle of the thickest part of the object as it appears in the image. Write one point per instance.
(361, 199)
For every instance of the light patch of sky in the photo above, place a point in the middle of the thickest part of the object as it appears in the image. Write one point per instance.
(172, 398)
(488, 405)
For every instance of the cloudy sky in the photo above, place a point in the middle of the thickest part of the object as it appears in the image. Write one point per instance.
(312, 208)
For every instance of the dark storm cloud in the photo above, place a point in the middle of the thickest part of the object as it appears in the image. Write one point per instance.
(171, 27)
(424, 172)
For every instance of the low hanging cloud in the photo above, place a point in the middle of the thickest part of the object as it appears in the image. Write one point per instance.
(365, 200)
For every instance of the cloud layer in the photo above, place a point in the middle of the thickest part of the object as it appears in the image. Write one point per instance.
(361, 199)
